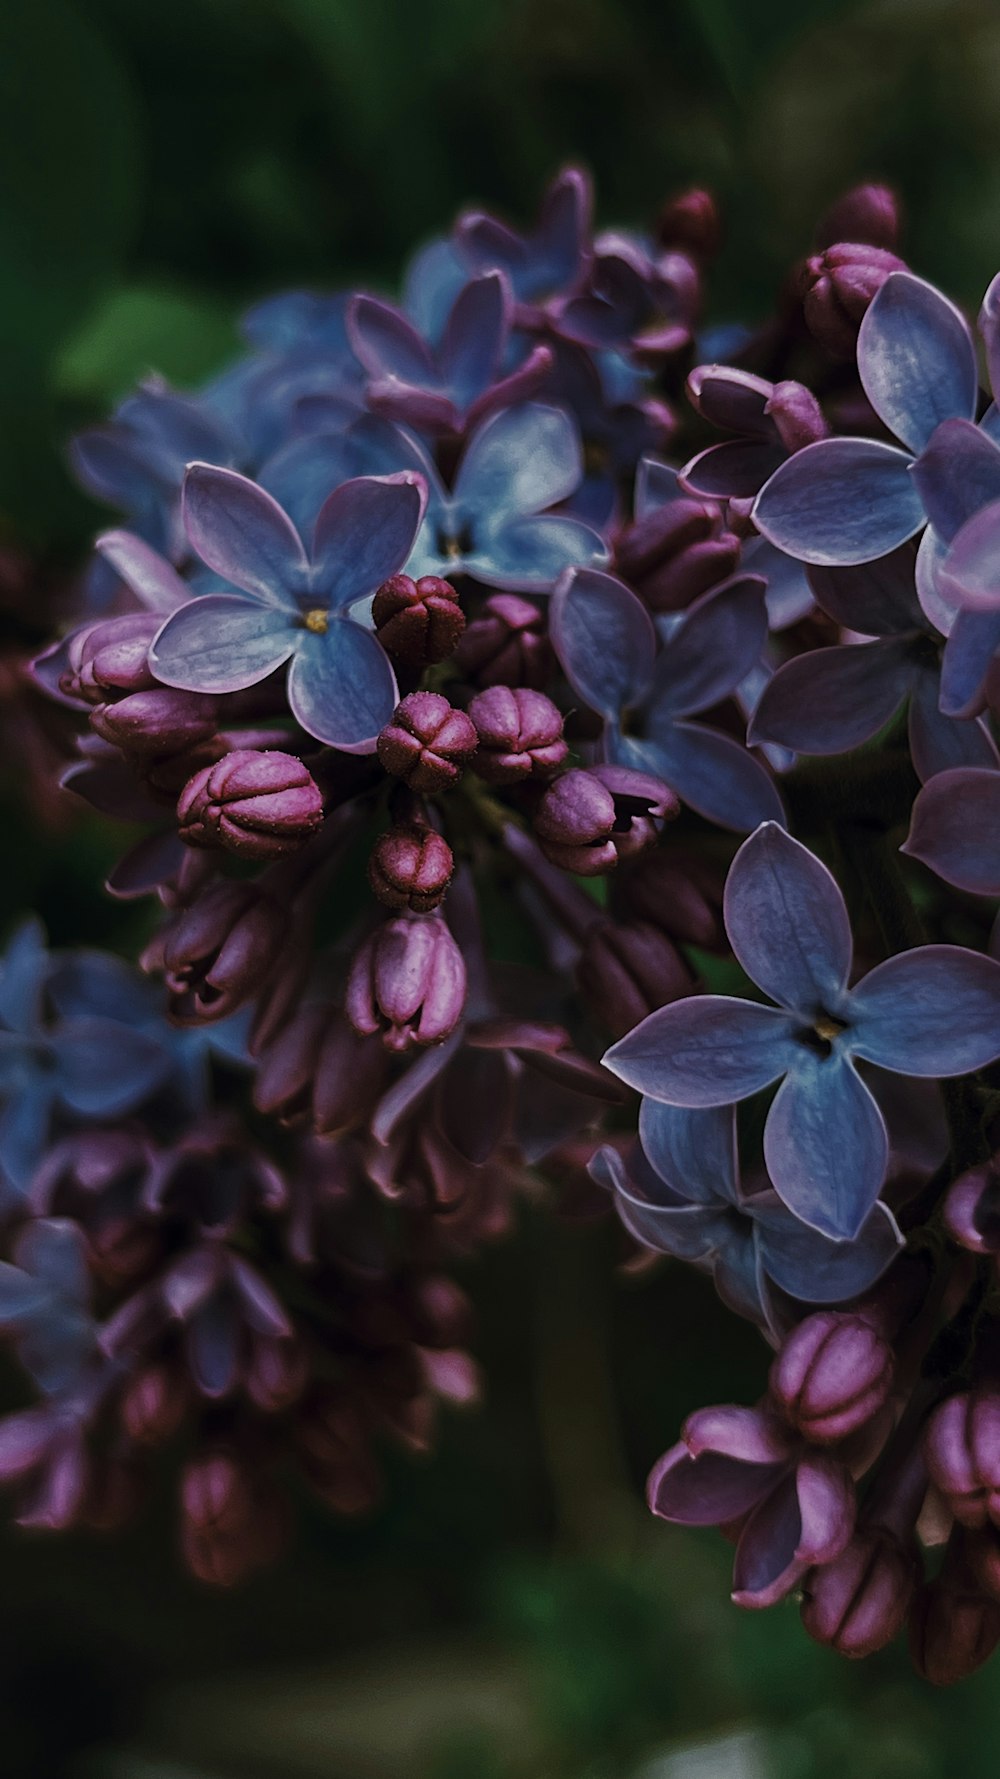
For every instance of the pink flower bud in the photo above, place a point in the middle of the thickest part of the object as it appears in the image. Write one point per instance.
(110, 658)
(507, 645)
(865, 213)
(261, 805)
(962, 1448)
(408, 983)
(216, 953)
(691, 223)
(411, 867)
(858, 1603)
(161, 720)
(833, 1374)
(676, 552)
(154, 1403)
(837, 287)
(627, 971)
(588, 820)
(418, 622)
(428, 743)
(520, 734)
(954, 1626)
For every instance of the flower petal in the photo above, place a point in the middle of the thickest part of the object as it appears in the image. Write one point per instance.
(825, 1145)
(736, 470)
(604, 638)
(815, 1269)
(22, 978)
(707, 1050)
(147, 574)
(693, 1151)
(387, 344)
(827, 1506)
(955, 829)
(833, 699)
(710, 772)
(220, 643)
(956, 474)
(968, 656)
(520, 461)
(714, 646)
(706, 1491)
(916, 359)
(787, 922)
(840, 501)
(103, 1068)
(341, 687)
(874, 598)
(474, 336)
(243, 533)
(766, 1567)
(528, 555)
(933, 1011)
(365, 531)
(938, 742)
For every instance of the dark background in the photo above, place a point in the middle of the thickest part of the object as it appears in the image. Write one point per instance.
(512, 1613)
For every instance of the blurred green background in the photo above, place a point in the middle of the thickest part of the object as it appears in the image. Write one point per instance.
(512, 1613)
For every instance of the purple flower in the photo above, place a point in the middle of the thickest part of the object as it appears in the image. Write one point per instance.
(544, 265)
(681, 1194)
(341, 687)
(969, 579)
(794, 1505)
(848, 500)
(607, 645)
(773, 420)
(955, 829)
(934, 1011)
(620, 417)
(830, 700)
(637, 299)
(456, 386)
(45, 1303)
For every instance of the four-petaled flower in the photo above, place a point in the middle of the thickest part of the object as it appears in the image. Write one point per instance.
(293, 605)
(933, 1011)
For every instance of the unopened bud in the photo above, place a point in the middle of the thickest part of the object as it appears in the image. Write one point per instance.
(858, 1603)
(408, 983)
(833, 1374)
(260, 805)
(411, 867)
(418, 622)
(520, 734)
(628, 970)
(427, 743)
(507, 645)
(837, 287)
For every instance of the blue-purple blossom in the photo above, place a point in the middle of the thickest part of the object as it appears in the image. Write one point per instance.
(955, 829)
(681, 1194)
(543, 266)
(45, 1296)
(933, 1011)
(647, 696)
(293, 605)
(772, 421)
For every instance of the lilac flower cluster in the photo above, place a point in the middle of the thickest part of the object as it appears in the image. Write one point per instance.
(413, 637)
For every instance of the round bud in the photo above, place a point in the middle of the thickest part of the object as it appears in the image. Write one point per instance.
(837, 287)
(858, 1603)
(427, 743)
(507, 645)
(259, 804)
(418, 622)
(410, 867)
(520, 734)
(833, 1374)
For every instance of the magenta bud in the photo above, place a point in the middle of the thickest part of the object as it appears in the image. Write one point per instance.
(972, 1210)
(690, 222)
(591, 818)
(507, 645)
(215, 1492)
(676, 553)
(627, 971)
(520, 734)
(110, 658)
(834, 1372)
(962, 1448)
(408, 983)
(161, 720)
(154, 1404)
(427, 743)
(982, 1549)
(859, 1602)
(865, 213)
(261, 805)
(418, 622)
(797, 415)
(216, 953)
(685, 900)
(276, 1374)
(411, 867)
(954, 1625)
(837, 287)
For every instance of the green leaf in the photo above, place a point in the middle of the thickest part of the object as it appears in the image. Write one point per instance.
(141, 328)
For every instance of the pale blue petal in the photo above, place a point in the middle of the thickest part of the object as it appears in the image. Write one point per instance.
(709, 1050)
(840, 501)
(934, 1011)
(220, 643)
(341, 687)
(916, 359)
(825, 1145)
(604, 638)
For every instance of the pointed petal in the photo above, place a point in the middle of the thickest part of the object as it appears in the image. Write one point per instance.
(939, 743)
(694, 1151)
(341, 687)
(815, 1269)
(474, 336)
(840, 501)
(933, 1011)
(736, 470)
(147, 574)
(520, 461)
(706, 1491)
(220, 643)
(604, 638)
(916, 359)
(715, 645)
(708, 1050)
(874, 598)
(955, 829)
(766, 1567)
(528, 555)
(24, 1132)
(22, 978)
(710, 772)
(787, 922)
(387, 344)
(365, 531)
(956, 474)
(242, 533)
(825, 1145)
(970, 572)
(104, 1068)
(968, 655)
(833, 699)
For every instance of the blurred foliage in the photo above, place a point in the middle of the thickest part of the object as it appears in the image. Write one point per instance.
(511, 1613)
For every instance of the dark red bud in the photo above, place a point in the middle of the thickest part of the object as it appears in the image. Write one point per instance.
(520, 734)
(411, 867)
(507, 645)
(259, 804)
(837, 287)
(427, 743)
(418, 622)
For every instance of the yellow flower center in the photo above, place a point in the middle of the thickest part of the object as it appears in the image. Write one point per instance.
(827, 1028)
(318, 621)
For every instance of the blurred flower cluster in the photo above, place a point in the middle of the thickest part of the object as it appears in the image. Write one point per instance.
(476, 705)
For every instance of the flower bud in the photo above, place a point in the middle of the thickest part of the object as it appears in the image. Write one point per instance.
(962, 1448)
(589, 819)
(684, 899)
(627, 971)
(216, 953)
(161, 720)
(411, 867)
(837, 286)
(408, 983)
(215, 1492)
(676, 552)
(833, 1374)
(690, 222)
(507, 645)
(427, 743)
(972, 1210)
(858, 1603)
(277, 1373)
(797, 415)
(865, 213)
(520, 734)
(261, 805)
(983, 1551)
(110, 657)
(418, 622)
(954, 1626)
(154, 1403)
(317, 1062)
